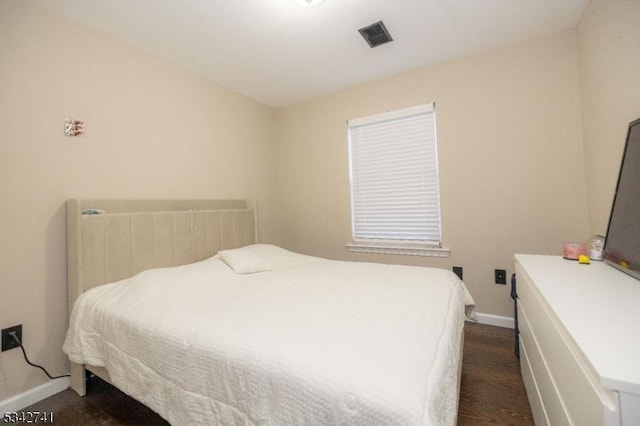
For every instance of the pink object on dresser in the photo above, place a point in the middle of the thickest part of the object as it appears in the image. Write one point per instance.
(573, 250)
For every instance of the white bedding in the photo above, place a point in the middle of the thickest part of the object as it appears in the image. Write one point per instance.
(311, 342)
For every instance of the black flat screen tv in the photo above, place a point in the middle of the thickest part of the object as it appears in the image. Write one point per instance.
(622, 245)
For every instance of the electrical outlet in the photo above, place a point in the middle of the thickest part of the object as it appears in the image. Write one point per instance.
(8, 342)
(501, 276)
(458, 271)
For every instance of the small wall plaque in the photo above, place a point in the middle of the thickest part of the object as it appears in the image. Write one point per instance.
(73, 127)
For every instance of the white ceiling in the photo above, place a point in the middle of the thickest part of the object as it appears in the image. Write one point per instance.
(279, 53)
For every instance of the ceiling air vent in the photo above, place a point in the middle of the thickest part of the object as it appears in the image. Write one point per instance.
(375, 34)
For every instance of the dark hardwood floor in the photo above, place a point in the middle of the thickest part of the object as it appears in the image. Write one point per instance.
(492, 392)
(103, 405)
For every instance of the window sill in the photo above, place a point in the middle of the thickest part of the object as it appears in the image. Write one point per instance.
(400, 249)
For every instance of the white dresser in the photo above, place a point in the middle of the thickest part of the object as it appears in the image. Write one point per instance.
(579, 341)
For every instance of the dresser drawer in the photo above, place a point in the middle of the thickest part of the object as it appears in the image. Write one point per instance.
(533, 389)
(550, 399)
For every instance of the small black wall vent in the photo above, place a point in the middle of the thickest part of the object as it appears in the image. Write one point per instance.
(375, 34)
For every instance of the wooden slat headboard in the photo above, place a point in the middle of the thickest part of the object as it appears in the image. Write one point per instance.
(130, 236)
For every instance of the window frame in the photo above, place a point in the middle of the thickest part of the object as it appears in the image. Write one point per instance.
(400, 246)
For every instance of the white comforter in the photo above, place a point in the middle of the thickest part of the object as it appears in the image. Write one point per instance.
(312, 342)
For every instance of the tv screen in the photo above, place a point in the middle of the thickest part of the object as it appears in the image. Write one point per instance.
(622, 246)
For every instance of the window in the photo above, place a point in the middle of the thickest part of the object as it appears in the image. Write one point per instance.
(395, 194)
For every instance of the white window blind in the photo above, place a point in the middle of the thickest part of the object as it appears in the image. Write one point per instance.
(395, 196)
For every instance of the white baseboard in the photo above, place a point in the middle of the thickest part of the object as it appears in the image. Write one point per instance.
(497, 320)
(37, 394)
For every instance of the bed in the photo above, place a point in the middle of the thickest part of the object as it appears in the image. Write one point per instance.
(176, 304)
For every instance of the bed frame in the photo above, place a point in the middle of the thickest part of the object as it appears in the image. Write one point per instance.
(110, 240)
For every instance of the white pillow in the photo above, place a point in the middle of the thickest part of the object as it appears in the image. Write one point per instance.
(244, 261)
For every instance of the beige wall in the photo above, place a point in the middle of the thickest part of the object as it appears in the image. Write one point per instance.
(609, 53)
(511, 163)
(153, 130)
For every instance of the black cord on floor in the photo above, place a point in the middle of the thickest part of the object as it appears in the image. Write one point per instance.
(13, 334)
